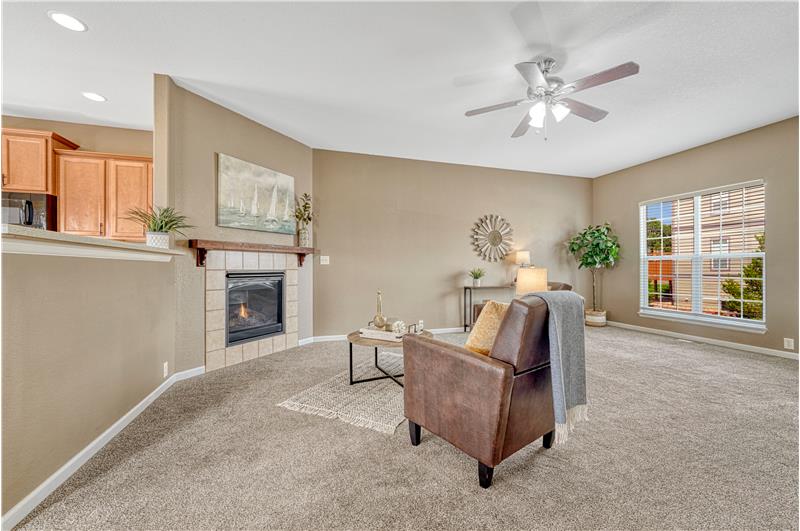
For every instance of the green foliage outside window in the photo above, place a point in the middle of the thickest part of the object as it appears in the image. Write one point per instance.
(750, 289)
(654, 230)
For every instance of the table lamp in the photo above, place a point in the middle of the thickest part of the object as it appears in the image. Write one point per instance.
(523, 258)
(530, 279)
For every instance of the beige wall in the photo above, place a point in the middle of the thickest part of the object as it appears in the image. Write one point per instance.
(84, 341)
(404, 226)
(768, 153)
(91, 137)
(187, 140)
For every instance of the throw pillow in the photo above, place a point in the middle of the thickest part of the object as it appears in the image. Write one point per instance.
(481, 338)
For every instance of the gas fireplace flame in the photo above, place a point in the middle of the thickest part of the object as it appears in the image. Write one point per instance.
(243, 311)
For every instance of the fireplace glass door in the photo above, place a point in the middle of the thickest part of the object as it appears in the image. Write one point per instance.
(254, 306)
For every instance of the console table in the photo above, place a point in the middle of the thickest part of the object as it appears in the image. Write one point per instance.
(468, 305)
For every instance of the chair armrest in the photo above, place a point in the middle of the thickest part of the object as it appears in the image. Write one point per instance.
(460, 396)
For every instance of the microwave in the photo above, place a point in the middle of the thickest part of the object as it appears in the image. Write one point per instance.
(32, 210)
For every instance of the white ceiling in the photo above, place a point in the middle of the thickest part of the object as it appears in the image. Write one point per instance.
(395, 79)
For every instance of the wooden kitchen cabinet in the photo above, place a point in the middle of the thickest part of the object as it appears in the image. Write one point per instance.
(97, 191)
(129, 185)
(28, 164)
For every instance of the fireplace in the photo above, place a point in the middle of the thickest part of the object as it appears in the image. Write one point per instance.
(254, 305)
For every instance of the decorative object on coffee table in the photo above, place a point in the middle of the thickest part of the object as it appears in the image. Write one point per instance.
(595, 248)
(303, 216)
(355, 338)
(159, 222)
(379, 321)
(491, 237)
(477, 274)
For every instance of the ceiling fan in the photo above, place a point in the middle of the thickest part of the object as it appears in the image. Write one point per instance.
(549, 93)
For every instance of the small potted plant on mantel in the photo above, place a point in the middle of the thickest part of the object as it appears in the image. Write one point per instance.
(159, 222)
(303, 215)
(595, 247)
(477, 274)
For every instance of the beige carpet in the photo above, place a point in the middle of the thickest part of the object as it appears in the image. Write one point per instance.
(680, 435)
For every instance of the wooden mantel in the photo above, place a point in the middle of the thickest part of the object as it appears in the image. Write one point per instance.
(203, 246)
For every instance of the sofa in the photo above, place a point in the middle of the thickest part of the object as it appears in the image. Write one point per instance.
(487, 406)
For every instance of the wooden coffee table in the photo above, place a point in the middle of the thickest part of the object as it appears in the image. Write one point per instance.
(354, 338)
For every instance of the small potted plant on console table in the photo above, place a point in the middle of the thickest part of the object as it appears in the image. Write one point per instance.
(595, 247)
(159, 222)
(477, 274)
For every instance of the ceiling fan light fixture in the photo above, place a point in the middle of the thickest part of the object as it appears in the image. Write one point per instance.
(537, 114)
(560, 111)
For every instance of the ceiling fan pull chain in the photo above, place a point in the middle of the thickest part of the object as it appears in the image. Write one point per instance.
(545, 127)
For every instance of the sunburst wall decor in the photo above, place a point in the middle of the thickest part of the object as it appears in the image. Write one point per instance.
(491, 237)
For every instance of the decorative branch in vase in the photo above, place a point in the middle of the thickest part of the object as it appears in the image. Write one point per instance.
(303, 216)
(159, 222)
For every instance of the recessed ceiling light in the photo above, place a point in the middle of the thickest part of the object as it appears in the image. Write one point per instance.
(94, 96)
(68, 21)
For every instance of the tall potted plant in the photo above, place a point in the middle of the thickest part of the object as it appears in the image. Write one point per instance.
(595, 248)
(303, 215)
(159, 222)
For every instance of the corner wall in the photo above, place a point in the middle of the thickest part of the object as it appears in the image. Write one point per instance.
(404, 226)
(189, 131)
(768, 153)
(84, 341)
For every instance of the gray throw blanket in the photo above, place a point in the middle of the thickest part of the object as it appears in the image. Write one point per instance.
(567, 358)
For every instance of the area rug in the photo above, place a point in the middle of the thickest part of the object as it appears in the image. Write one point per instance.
(376, 405)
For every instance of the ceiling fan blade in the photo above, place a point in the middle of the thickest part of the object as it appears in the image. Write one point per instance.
(491, 108)
(523, 127)
(600, 78)
(534, 77)
(588, 112)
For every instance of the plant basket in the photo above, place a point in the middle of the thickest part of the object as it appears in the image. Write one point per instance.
(595, 317)
(157, 239)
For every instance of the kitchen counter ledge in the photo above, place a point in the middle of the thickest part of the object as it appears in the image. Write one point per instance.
(19, 239)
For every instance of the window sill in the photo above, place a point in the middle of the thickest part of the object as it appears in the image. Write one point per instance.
(750, 327)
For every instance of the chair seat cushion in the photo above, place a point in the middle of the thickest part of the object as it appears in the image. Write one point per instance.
(481, 338)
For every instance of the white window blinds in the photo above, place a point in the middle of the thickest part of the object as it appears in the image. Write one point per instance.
(702, 256)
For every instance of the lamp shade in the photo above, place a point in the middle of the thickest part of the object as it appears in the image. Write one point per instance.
(530, 279)
(522, 258)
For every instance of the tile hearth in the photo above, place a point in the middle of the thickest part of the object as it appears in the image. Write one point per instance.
(218, 263)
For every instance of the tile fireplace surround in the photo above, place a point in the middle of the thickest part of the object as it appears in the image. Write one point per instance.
(217, 264)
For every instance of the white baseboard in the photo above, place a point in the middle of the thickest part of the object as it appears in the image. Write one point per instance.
(710, 341)
(29, 502)
(323, 339)
(305, 341)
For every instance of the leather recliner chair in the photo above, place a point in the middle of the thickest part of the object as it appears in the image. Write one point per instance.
(487, 406)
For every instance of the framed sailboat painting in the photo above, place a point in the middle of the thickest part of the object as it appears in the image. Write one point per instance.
(253, 197)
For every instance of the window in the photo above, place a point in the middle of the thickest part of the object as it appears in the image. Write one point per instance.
(720, 246)
(702, 257)
(719, 202)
